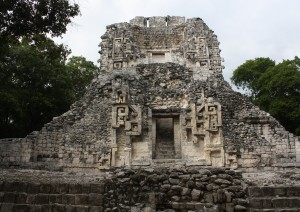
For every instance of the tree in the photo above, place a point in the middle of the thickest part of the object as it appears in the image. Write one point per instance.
(36, 84)
(274, 88)
(82, 72)
(246, 75)
(29, 17)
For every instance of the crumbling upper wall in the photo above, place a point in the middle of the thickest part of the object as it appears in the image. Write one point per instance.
(157, 21)
(159, 40)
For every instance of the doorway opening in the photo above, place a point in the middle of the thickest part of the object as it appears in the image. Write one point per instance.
(166, 137)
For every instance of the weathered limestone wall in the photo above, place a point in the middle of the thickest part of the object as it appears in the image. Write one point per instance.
(258, 141)
(15, 151)
(158, 189)
(93, 135)
(76, 139)
(164, 39)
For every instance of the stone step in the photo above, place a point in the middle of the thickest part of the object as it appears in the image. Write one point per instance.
(274, 202)
(165, 149)
(160, 161)
(270, 191)
(163, 157)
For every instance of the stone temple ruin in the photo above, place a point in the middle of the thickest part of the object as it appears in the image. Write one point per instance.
(157, 130)
(160, 99)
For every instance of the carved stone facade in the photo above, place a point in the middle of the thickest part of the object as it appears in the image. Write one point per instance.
(160, 98)
(161, 40)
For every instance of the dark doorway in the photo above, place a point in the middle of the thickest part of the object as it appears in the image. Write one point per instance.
(164, 144)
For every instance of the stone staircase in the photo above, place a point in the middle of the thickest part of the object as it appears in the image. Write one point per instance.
(273, 199)
(164, 149)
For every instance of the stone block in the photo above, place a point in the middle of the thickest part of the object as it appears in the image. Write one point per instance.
(75, 189)
(294, 202)
(81, 199)
(256, 203)
(95, 209)
(41, 199)
(30, 198)
(33, 188)
(35, 208)
(196, 194)
(45, 188)
(293, 191)
(185, 191)
(81, 208)
(229, 207)
(266, 203)
(199, 206)
(6, 207)
(21, 198)
(21, 208)
(174, 181)
(58, 208)
(165, 188)
(239, 208)
(178, 205)
(280, 202)
(255, 192)
(10, 186)
(97, 188)
(239, 201)
(268, 191)
(70, 208)
(9, 197)
(63, 188)
(185, 178)
(222, 181)
(190, 205)
(21, 186)
(68, 199)
(176, 188)
(228, 196)
(280, 191)
(55, 198)
(208, 198)
(85, 188)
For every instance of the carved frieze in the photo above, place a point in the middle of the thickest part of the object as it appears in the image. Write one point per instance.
(206, 116)
(197, 49)
(126, 122)
(205, 123)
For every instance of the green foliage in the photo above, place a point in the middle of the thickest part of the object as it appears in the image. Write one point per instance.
(29, 17)
(36, 84)
(247, 74)
(81, 72)
(274, 88)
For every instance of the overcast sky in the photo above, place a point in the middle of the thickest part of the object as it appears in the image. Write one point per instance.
(245, 29)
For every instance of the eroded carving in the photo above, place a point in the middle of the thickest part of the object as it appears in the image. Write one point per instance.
(206, 124)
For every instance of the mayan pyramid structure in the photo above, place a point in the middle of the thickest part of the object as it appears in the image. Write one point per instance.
(160, 98)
